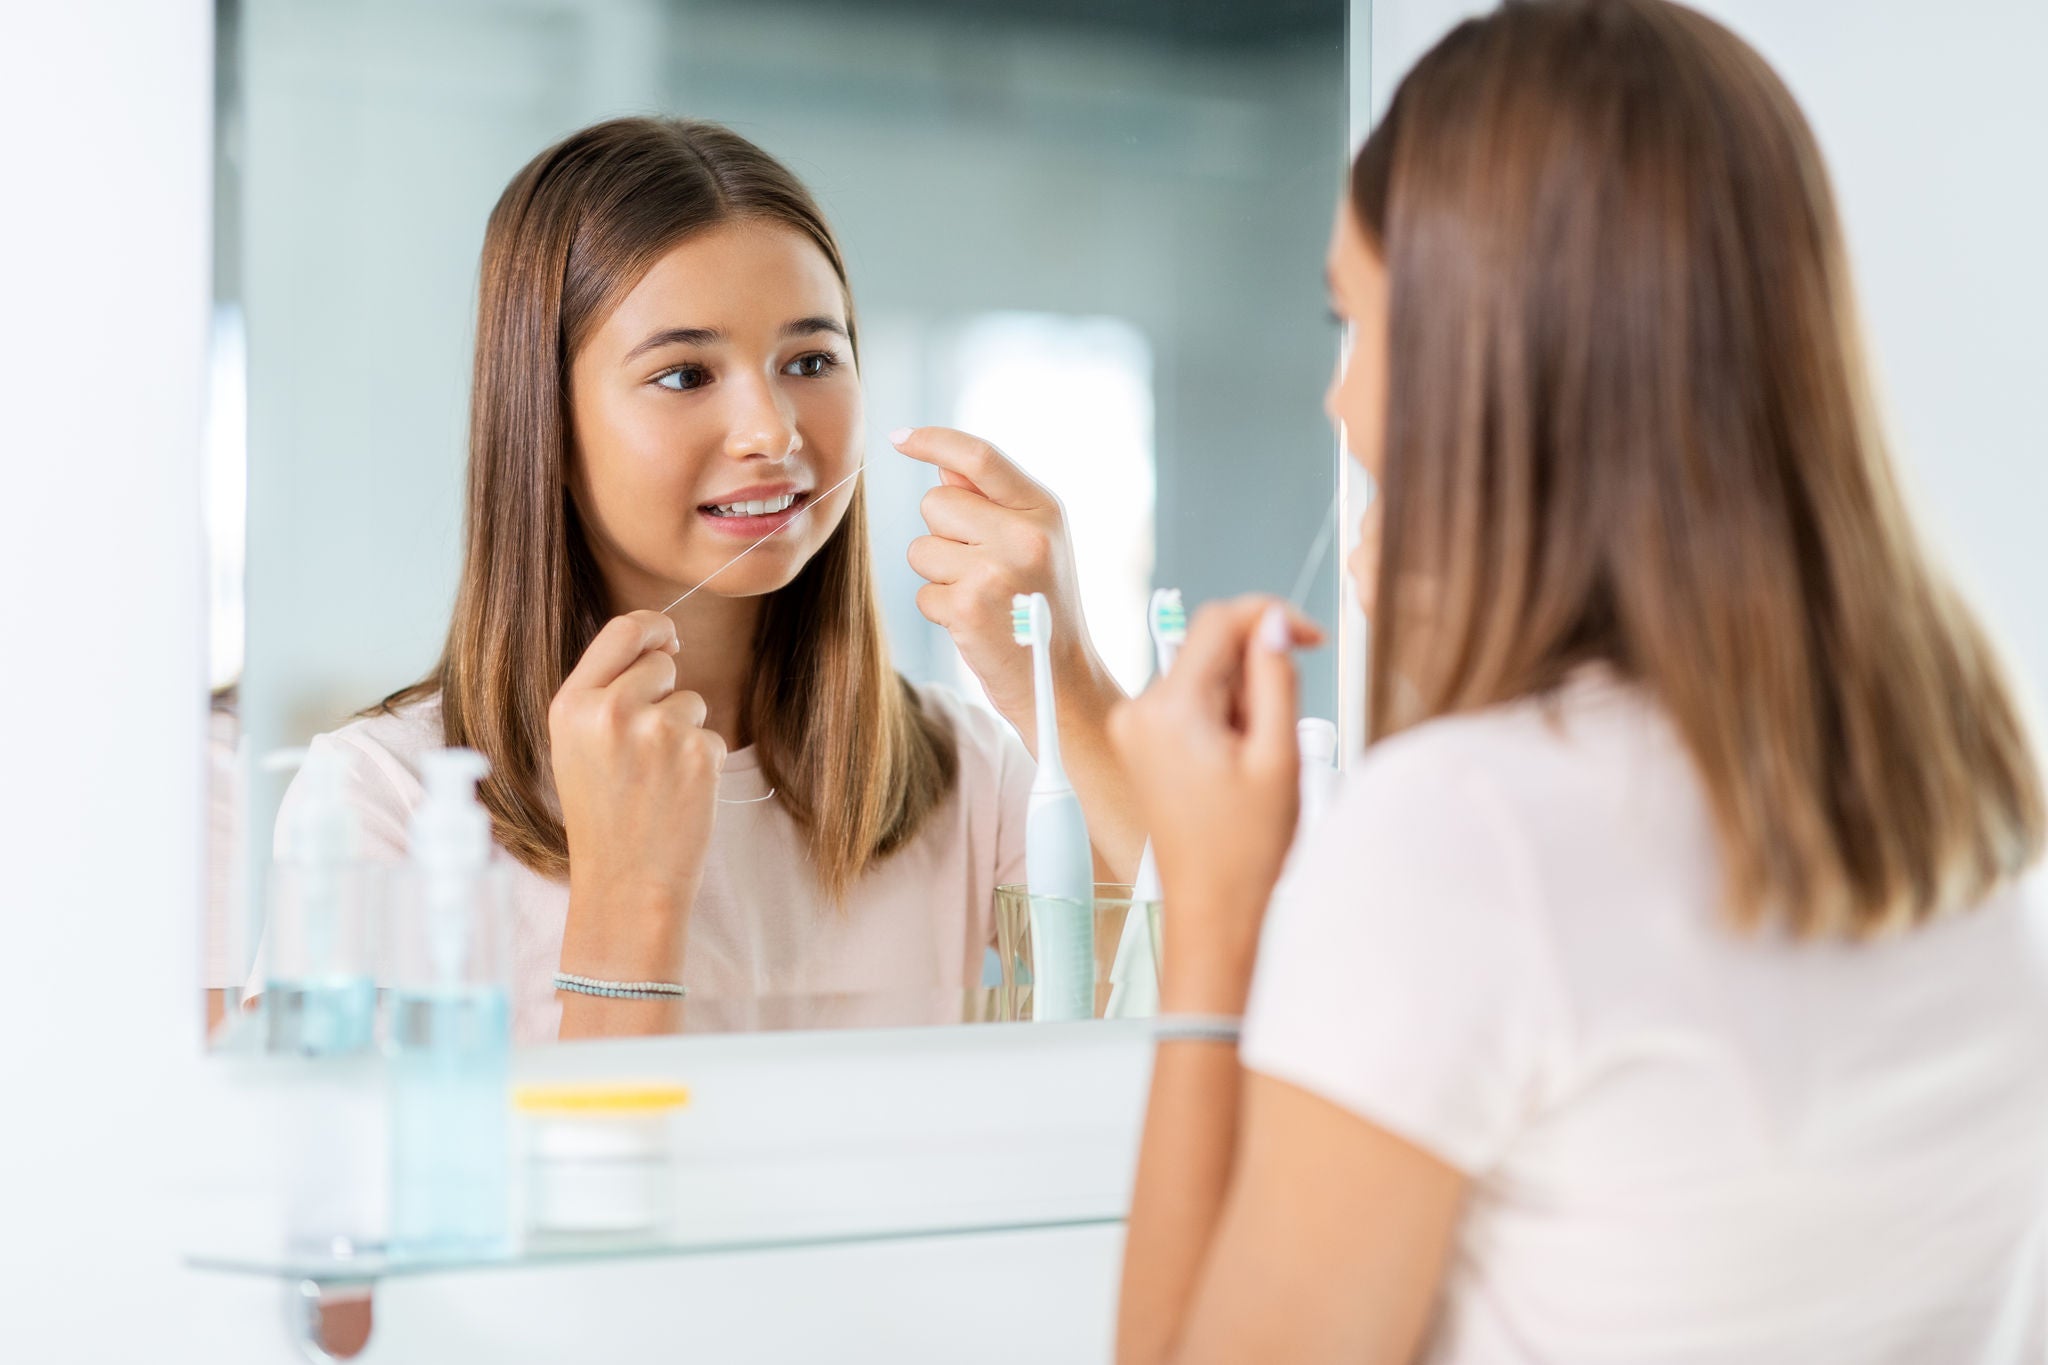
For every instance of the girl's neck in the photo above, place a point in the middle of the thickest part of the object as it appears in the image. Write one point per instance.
(717, 658)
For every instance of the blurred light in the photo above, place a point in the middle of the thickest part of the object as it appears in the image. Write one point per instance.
(1070, 399)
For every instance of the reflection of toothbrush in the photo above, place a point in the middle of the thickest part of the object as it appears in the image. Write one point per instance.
(1134, 978)
(1168, 618)
(1058, 862)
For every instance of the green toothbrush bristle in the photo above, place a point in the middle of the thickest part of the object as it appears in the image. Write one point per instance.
(1020, 624)
(1171, 620)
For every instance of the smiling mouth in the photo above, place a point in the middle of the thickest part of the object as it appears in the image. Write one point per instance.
(754, 507)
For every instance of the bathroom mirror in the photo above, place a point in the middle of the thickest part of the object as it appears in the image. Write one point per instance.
(1090, 231)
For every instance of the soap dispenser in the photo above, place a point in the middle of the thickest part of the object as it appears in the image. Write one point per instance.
(451, 1034)
(318, 1017)
(319, 991)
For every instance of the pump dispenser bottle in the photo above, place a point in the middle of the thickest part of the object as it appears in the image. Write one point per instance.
(319, 993)
(450, 1026)
(318, 1016)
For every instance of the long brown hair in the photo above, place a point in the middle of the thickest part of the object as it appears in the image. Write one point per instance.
(851, 753)
(1630, 421)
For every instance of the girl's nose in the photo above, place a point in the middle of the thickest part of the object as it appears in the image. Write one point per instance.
(762, 424)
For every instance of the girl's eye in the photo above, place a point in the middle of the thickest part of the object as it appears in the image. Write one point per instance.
(683, 377)
(813, 366)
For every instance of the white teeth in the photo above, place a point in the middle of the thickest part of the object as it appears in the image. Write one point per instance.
(755, 507)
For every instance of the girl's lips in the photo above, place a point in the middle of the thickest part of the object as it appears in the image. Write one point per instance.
(753, 528)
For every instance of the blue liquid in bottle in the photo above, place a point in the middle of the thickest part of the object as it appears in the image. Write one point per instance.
(450, 1150)
(327, 1016)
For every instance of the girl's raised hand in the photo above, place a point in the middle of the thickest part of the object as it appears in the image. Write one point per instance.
(997, 532)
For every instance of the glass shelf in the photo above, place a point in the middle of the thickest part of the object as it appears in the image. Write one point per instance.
(560, 1249)
(790, 1142)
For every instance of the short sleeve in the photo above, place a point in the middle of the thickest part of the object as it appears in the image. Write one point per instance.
(375, 786)
(1404, 974)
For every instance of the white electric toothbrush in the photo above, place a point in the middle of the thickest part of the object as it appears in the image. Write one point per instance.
(1059, 864)
(1134, 976)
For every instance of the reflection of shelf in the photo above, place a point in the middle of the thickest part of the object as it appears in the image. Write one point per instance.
(813, 1012)
(557, 1249)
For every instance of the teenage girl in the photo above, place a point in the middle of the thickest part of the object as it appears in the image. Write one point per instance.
(1667, 984)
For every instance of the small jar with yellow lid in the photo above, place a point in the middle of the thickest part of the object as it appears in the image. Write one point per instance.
(598, 1158)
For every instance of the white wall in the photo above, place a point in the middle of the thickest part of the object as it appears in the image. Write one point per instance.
(104, 115)
(1934, 120)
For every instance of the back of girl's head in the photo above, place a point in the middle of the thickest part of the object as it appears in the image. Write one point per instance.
(1630, 422)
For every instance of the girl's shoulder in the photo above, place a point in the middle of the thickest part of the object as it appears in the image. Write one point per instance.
(990, 752)
(393, 738)
(379, 754)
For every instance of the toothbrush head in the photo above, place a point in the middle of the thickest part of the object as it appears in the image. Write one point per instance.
(1169, 617)
(1031, 619)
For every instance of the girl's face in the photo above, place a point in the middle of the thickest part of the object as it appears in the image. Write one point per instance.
(1357, 396)
(713, 405)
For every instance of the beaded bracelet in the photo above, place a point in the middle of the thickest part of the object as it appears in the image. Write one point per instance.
(625, 990)
(1197, 1028)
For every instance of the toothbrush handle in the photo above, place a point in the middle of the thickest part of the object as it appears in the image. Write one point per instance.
(1051, 770)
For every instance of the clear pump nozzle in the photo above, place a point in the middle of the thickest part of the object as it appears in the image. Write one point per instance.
(322, 828)
(450, 828)
(451, 848)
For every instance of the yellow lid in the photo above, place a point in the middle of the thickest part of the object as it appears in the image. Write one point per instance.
(600, 1099)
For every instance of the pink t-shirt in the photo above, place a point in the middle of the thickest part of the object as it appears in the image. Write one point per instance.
(1504, 943)
(766, 947)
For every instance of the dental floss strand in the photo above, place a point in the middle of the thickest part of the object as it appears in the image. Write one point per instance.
(757, 800)
(1320, 547)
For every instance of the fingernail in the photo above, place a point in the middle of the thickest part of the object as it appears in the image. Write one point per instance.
(900, 435)
(1275, 635)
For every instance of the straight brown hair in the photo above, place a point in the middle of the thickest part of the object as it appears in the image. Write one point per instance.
(850, 751)
(1630, 421)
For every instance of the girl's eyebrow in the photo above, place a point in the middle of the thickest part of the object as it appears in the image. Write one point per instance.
(677, 336)
(804, 327)
(705, 336)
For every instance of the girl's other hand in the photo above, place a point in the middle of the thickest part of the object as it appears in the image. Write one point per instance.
(996, 532)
